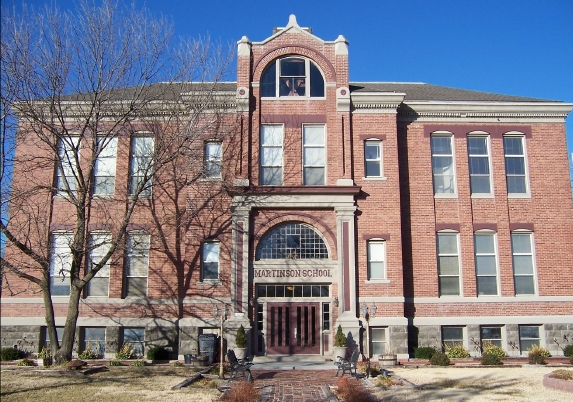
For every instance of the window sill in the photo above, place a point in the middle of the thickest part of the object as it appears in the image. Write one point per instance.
(446, 196)
(103, 196)
(483, 195)
(374, 178)
(518, 195)
(294, 98)
(375, 281)
(209, 282)
(207, 179)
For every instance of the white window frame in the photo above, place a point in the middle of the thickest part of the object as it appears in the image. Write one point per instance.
(498, 342)
(96, 345)
(453, 187)
(523, 155)
(487, 155)
(104, 171)
(59, 334)
(440, 254)
(133, 252)
(452, 341)
(139, 344)
(311, 161)
(141, 163)
(213, 161)
(67, 168)
(530, 254)
(494, 254)
(530, 340)
(99, 243)
(61, 262)
(210, 257)
(381, 253)
(374, 143)
(375, 340)
(275, 154)
(306, 79)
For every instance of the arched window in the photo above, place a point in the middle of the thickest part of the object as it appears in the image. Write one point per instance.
(292, 241)
(292, 76)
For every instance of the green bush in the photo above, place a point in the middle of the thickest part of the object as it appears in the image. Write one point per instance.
(178, 364)
(126, 352)
(8, 354)
(137, 363)
(440, 359)
(114, 363)
(241, 338)
(537, 354)
(456, 351)
(488, 359)
(491, 349)
(157, 353)
(88, 354)
(571, 359)
(568, 351)
(425, 352)
(25, 362)
(340, 338)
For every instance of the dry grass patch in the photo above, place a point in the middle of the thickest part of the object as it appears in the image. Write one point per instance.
(562, 375)
(243, 391)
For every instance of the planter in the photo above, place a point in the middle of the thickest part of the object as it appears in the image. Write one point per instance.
(200, 361)
(241, 353)
(388, 360)
(339, 351)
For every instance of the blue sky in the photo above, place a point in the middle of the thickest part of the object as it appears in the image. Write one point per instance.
(511, 47)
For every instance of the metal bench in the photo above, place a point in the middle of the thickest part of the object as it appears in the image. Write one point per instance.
(348, 365)
(239, 365)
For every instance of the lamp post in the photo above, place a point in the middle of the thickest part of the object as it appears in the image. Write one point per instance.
(367, 313)
(223, 316)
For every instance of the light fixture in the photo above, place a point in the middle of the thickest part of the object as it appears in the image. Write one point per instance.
(252, 301)
(335, 301)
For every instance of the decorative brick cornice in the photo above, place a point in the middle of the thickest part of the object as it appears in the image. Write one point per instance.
(376, 102)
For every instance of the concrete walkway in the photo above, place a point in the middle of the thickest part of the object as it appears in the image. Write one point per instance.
(295, 385)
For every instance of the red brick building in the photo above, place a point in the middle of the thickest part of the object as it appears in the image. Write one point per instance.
(446, 213)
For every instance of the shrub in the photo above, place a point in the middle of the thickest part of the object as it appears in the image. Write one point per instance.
(562, 375)
(126, 352)
(241, 338)
(537, 354)
(571, 359)
(456, 351)
(25, 362)
(490, 359)
(425, 352)
(113, 363)
(340, 338)
(88, 354)
(491, 349)
(386, 382)
(178, 364)
(44, 353)
(137, 363)
(350, 389)
(568, 351)
(8, 354)
(440, 359)
(243, 391)
(157, 353)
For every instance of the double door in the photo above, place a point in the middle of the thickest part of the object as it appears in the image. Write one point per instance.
(293, 328)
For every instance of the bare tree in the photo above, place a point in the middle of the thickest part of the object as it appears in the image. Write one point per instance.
(92, 89)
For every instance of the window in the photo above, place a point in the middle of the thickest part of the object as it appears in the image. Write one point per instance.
(448, 263)
(210, 266)
(313, 155)
(142, 149)
(376, 260)
(292, 241)
(515, 172)
(452, 336)
(260, 317)
(94, 339)
(486, 264)
(136, 338)
(528, 336)
(523, 268)
(492, 335)
(373, 158)
(478, 162)
(137, 264)
(379, 342)
(59, 333)
(99, 247)
(213, 160)
(443, 164)
(326, 316)
(290, 291)
(271, 155)
(104, 168)
(67, 170)
(60, 264)
(292, 76)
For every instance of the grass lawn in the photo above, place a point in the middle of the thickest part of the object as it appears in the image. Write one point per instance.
(119, 384)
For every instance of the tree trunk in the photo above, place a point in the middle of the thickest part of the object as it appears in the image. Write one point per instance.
(64, 354)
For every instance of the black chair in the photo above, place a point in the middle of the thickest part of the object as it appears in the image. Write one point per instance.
(348, 365)
(239, 365)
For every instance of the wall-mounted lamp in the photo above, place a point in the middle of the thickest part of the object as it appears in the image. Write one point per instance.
(335, 301)
(252, 301)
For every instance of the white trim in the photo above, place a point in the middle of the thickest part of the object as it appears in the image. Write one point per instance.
(493, 320)
(490, 299)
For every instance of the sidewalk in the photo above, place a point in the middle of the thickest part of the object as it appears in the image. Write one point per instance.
(297, 385)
